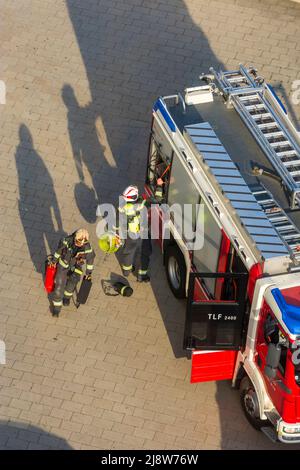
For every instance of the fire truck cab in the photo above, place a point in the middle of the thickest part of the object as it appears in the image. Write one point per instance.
(228, 149)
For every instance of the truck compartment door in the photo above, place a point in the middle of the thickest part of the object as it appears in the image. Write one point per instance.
(212, 365)
(214, 328)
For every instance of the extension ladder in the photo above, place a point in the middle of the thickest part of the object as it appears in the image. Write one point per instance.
(285, 228)
(246, 91)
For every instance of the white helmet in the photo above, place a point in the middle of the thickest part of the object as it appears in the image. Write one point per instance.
(131, 193)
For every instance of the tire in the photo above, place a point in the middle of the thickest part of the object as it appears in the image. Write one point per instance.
(250, 404)
(176, 271)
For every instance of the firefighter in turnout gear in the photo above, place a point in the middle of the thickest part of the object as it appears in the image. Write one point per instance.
(135, 245)
(72, 253)
(159, 191)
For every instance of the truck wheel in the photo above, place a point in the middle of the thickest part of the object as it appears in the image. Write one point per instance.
(250, 404)
(176, 271)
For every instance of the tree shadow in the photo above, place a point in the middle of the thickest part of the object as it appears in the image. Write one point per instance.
(38, 205)
(22, 436)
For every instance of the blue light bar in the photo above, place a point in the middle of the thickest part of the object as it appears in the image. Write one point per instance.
(159, 105)
(290, 313)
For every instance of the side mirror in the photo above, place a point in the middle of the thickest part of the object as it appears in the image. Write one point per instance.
(272, 360)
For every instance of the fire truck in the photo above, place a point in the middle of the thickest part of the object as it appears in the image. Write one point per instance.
(229, 147)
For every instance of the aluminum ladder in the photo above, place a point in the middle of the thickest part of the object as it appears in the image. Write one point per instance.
(247, 93)
(285, 228)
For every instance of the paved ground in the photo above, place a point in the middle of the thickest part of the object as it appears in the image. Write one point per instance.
(81, 77)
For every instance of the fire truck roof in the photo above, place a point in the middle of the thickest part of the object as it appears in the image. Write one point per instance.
(238, 142)
(224, 127)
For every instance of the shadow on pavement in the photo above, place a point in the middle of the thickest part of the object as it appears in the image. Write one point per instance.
(22, 436)
(38, 205)
(132, 54)
(127, 68)
(281, 91)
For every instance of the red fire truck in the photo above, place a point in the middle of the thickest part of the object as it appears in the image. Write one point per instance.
(229, 148)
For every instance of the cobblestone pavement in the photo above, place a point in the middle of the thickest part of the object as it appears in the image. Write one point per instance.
(81, 78)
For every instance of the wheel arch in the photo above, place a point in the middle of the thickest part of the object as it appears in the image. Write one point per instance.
(257, 381)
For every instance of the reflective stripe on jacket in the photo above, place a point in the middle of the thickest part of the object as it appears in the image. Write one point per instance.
(132, 212)
(69, 255)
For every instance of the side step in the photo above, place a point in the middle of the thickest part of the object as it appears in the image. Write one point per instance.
(270, 432)
(273, 416)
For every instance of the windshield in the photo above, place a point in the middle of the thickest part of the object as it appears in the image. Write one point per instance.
(273, 334)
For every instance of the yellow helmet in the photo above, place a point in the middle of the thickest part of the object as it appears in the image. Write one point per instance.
(109, 242)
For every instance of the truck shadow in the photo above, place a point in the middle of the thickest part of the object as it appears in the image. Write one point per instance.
(172, 310)
(22, 436)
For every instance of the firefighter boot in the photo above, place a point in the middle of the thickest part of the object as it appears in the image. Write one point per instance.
(126, 271)
(143, 277)
(55, 311)
(66, 301)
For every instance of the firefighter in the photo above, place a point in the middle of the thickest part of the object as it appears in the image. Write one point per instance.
(134, 244)
(159, 191)
(161, 171)
(72, 253)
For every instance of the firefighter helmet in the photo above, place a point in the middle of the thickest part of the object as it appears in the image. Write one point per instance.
(81, 236)
(131, 193)
(109, 242)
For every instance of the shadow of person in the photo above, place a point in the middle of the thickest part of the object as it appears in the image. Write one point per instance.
(109, 135)
(38, 205)
(23, 436)
(88, 153)
(130, 58)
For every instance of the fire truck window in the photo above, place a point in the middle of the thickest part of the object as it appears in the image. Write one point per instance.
(199, 333)
(284, 344)
(271, 330)
(297, 374)
(225, 335)
(282, 361)
(236, 265)
(273, 334)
